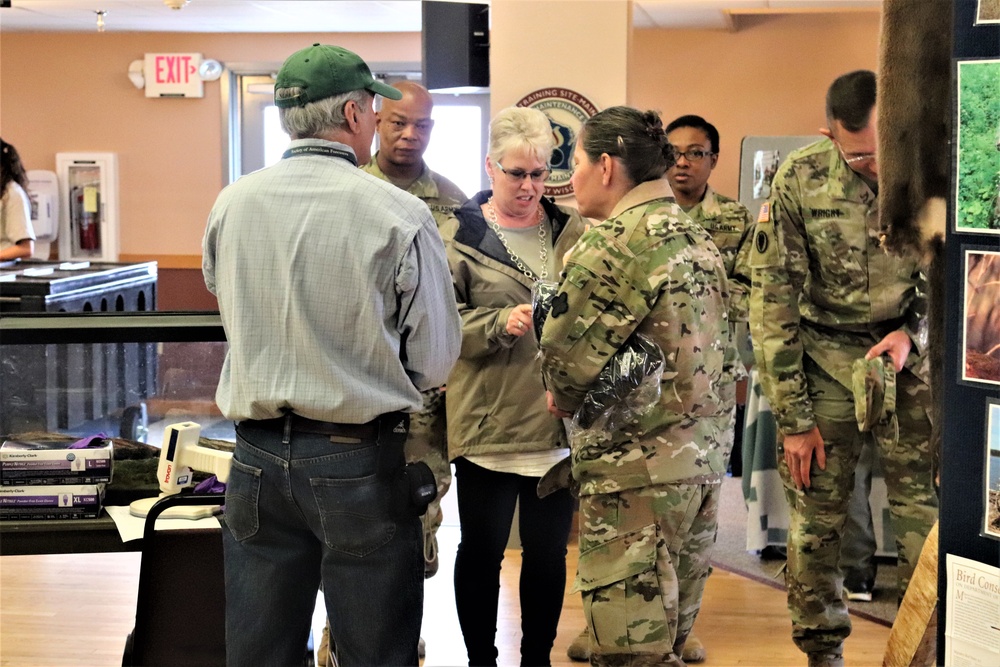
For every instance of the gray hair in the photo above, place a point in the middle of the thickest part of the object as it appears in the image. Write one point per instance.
(316, 118)
(521, 129)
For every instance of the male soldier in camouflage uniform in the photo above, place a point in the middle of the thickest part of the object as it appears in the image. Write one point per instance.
(824, 294)
(404, 129)
(649, 492)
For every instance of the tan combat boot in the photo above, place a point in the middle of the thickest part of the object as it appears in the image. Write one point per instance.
(694, 650)
(579, 648)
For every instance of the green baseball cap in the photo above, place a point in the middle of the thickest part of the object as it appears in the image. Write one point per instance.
(323, 71)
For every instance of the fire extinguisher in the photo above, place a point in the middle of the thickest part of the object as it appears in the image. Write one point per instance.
(88, 217)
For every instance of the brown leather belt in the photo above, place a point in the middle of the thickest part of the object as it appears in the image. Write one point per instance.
(301, 424)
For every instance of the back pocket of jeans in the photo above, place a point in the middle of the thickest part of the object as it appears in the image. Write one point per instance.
(354, 514)
(242, 494)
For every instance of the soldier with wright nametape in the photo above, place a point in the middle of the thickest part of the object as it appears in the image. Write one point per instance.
(825, 294)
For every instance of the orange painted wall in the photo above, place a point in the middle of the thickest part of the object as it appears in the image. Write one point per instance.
(63, 92)
(767, 78)
(70, 92)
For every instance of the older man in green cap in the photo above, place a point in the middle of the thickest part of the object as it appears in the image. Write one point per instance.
(337, 303)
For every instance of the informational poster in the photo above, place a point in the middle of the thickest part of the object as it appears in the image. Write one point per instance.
(760, 159)
(972, 630)
(988, 12)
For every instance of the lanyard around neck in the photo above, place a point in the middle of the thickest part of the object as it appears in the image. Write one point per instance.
(320, 150)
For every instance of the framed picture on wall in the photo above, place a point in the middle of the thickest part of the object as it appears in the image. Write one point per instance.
(988, 12)
(977, 193)
(981, 330)
(991, 513)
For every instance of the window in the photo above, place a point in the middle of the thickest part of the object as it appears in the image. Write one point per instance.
(255, 139)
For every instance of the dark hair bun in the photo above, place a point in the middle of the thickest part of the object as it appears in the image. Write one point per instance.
(654, 128)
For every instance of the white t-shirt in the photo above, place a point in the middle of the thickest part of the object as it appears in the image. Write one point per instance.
(15, 216)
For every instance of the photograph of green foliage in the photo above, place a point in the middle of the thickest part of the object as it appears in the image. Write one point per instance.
(982, 316)
(977, 205)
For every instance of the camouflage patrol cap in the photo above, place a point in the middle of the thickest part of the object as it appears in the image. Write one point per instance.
(559, 476)
(874, 386)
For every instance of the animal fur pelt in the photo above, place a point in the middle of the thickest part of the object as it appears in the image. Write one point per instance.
(914, 121)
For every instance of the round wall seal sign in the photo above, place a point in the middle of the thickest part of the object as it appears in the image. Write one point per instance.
(566, 111)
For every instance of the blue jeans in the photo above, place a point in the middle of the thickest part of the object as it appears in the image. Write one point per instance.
(307, 512)
(486, 501)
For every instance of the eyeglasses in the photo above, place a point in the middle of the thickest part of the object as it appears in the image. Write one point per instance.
(517, 175)
(692, 155)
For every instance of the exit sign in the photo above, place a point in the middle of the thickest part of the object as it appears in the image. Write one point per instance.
(173, 75)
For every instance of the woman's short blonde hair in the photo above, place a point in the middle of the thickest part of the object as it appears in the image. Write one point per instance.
(517, 129)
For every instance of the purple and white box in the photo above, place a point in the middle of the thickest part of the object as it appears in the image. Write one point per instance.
(47, 463)
(64, 501)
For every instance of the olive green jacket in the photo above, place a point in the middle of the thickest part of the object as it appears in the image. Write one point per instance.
(495, 398)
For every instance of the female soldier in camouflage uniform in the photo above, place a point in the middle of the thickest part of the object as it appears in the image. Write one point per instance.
(648, 495)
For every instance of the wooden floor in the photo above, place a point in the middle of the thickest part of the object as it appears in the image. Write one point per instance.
(77, 610)
(742, 622)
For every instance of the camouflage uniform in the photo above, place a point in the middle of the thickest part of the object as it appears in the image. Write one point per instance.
(428, 441)
(731, 226)
(649, 496)
(823, 293)
(441, 195)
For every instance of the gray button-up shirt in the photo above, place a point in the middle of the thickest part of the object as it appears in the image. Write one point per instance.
(334, 293)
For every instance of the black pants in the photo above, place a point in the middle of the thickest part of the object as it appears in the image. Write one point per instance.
(486, 501)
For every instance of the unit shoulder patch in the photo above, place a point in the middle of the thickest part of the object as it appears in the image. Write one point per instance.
(765, 249)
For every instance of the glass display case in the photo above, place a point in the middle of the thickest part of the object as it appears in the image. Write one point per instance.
(122, 374)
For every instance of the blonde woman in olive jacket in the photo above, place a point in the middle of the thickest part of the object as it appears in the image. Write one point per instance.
(501, 436)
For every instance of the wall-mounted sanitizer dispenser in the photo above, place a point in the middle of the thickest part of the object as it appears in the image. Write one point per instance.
(43, 189)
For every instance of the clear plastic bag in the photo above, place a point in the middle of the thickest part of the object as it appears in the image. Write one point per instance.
(626, 389)
(542, 293)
